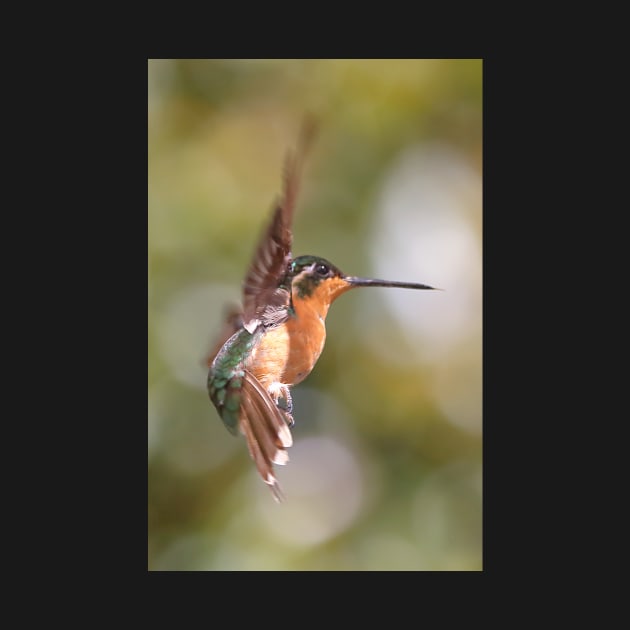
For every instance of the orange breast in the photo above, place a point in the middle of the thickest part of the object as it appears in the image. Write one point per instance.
(288, 353)
(307, 334)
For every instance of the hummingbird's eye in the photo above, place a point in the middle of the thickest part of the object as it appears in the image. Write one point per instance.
(322, 269)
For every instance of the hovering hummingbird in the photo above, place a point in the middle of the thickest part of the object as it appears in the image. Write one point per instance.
(274, 342)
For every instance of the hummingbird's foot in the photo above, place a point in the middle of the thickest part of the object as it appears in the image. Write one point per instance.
(285, 404)
(288, 418)
(287, 401)
(282, 397)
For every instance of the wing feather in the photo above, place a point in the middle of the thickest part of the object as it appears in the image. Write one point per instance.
(273, 254)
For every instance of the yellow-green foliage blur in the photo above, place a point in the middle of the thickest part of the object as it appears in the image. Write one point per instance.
(386, 467)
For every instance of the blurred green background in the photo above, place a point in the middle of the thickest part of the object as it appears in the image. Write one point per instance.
(386, 467)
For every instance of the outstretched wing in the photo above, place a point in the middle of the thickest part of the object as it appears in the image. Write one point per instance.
(273, 254)
(265, 430)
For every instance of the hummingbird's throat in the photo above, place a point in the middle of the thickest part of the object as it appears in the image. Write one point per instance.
(317, 296)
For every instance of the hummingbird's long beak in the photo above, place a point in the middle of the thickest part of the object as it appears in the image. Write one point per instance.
(373, 282)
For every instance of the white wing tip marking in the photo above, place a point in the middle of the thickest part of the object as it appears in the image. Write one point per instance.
(281, 457)
(274, 486)
(284, 436)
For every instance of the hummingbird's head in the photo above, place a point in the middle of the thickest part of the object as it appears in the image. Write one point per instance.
(313, 276)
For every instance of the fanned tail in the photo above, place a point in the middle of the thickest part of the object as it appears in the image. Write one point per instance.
(265, 430)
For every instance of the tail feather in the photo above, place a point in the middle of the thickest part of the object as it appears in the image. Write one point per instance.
(265, 469)
(271, 413)
(262, 429)
(266, 433)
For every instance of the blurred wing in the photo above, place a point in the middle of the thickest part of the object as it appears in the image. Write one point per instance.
(265, 430)
(273, 254)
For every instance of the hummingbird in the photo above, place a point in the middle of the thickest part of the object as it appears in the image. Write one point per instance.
(274, 341)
